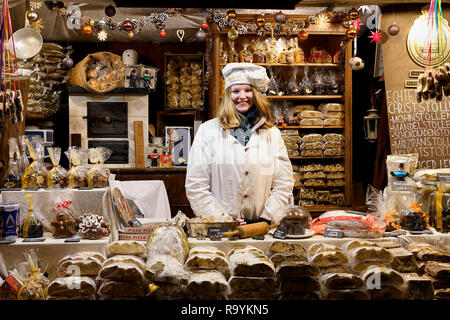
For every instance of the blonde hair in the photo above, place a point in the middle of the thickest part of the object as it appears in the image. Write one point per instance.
(227, 113)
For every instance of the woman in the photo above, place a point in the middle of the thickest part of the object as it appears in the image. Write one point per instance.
(238, 161)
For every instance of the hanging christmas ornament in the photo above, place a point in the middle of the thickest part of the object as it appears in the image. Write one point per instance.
(233, 34)
(323, 21)
(200, 35)
(347, 23)
(393, 29)
(67, 62)
(37, 25)
(375, 36)
(127, 26)
(87, 29)
(130, 34)
(92, 22)
(353, 14)
(260, 20)
(101, 23)
(34, 5)
(180, 34)
(163, 33)
(231, 14)
(303, 36)
(280, 17)
(356, 63)
(110, 11)
(102, 35)
(351, 33)
(32, 16)
(204, 25)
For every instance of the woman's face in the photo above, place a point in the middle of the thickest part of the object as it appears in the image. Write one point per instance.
(242, 97)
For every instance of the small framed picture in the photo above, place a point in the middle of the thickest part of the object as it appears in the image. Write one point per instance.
(178, 140)
(132, 76)
(148, 77)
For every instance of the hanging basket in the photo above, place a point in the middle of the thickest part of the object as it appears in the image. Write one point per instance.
(99, 72)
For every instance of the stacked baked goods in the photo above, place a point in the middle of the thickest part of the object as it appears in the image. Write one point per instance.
(167, 250)
(210, 271)
(76, 276)
(252, 274)
(312, 145)
(333, 114)
(333, 144)
(122, 274)
(292, 140)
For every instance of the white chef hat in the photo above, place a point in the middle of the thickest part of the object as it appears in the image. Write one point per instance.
(246, 73)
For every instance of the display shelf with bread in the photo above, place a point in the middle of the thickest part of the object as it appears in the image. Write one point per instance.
(310, 91)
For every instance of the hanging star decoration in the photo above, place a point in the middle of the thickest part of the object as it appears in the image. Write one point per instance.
(322, 21)
(357, 24)
(34, 5)
(102, 35)
(363, 9)
(375, 36)
(37, 25)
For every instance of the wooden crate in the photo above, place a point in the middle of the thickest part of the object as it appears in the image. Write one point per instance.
(198, 57)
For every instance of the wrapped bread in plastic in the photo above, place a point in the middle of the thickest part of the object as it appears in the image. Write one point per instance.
(314, 175)
(337, 183)
(311, 167)
(333, 145)
(166, 268)
(418, 288)
(300, 284)
(313, 137)
(383, 276)
(307, 193)
(359, 267)
(333, 167)
(138, 261)
(339, 281)
(112, 288)
(403, 260)
(208, 261)
(72, 286)
(88, 266)
(168, 291)
(322, 247)
(311, 152)
(206, 283)
(252, 283)
(333, 115)
(304, 107)
(314, 182)
(370, 254)
(316, 122)
(329, 258)
(311, 145)
(311, 114)
(341, 268)
(289, 132)
(333, 137)
(206, 249)
(432, 253)
(438, 269)
(442, 294)
(122, 271)
(335, 175)
(331, 107)
(279, 258)
(346, 294)
(333, 152)
(333, 122)
(84, 255)
(126, 247)
(287, 247)
(250, 262)
(294, 270)
(387, 293)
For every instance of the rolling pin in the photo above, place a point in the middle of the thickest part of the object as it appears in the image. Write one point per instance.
(249, 230)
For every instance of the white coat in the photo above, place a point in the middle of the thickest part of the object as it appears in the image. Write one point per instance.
(252, 181)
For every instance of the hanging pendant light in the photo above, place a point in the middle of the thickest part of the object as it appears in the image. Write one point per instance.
(371, 122)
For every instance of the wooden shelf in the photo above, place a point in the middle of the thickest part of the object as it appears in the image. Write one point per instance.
(311, 127)
(310, 97)
(318, 187)
(287, 65)
(317, 157)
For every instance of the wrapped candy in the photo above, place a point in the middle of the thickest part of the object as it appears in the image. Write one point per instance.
(293, 87)
(12, 179)
(57, 177)
(35, 175)
(31, 227)
(98, 175)
(78, 172)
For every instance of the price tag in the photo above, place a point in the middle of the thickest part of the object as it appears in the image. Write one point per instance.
(33, 240)
(280, 232)
(73, 239)
(445, 177)
(402, 186)
(333, 233)
(7, 241)
(215, 234)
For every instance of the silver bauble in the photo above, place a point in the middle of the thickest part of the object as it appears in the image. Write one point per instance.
(67, 62)
(200, 35)
(393, 29)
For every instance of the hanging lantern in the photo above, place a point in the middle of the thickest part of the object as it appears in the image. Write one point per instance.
(204, 25)
(110, 11)
(371, 125)
(280, 17)
(231, 14)
(87, 29)
(303, 36)
(393, 29)
(353, 14)
(351, 33)
(32, 16)
(233, 34)
(260, 20)
(347, 23)
(163, 33)
(127, 25)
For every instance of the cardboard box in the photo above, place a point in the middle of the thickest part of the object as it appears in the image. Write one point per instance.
(10, 288)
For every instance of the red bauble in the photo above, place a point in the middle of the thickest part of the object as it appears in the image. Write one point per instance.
(87, 29)
(303, 35)
(127, 26)
(163, 33)
(204, 25)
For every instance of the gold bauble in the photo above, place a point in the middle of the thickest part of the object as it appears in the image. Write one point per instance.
(231, 14)
(347, 23)
(303, 35)
(353, 14)
(92, 22)
(130, 34)
(32, 16)
(233, 34)
(260, 20)
(351, 33)
(87, 29)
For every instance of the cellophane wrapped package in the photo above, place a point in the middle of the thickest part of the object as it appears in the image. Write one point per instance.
(35, 175)
(98, 175)
(12, 179)
(57, 177)
(23, 161)
(78, 173)
(31, 226)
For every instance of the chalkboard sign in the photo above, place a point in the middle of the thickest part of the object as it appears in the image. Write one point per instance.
(34, 239)
(333, 233)
(280, 232)
(215, 234)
